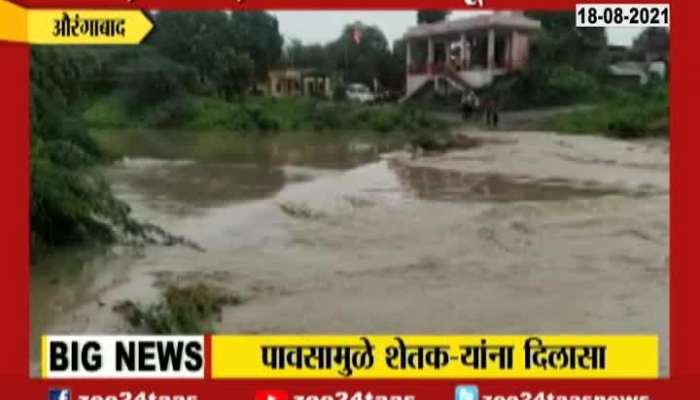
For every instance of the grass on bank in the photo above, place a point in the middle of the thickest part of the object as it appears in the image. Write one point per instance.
(626, 115)
(261, 115)
(188, 309)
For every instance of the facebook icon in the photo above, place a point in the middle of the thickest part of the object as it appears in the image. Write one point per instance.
(59, 394)
(467, 392)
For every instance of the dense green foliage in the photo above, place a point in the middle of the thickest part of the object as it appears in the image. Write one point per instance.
(350, 61)
(652, 43)
(265, 115)
(431, 16)
(232, 72)
(567, 65)
(570, 65)
(69, 201)
(199, 39)
(187, 309)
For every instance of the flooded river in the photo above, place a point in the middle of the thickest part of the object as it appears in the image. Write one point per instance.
(532, 232)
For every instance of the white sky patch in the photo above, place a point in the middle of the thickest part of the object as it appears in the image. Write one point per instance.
(325, 26)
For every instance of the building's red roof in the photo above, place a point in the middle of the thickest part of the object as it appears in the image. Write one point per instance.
(496, 19)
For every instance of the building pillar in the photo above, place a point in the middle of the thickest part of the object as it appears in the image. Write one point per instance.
(409, 57)
(431, 55)
(515, 50)
(463, 52)
(490, 60)
(508, 52)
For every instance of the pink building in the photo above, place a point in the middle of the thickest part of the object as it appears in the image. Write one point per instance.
(467, 53)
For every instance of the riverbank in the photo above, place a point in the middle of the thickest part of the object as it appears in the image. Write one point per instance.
(261, 115)
(67, 154)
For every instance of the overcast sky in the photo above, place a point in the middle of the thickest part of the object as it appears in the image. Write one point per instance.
(325, 26)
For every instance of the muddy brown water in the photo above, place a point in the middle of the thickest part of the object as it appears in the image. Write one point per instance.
(445, 185)
(446, 244)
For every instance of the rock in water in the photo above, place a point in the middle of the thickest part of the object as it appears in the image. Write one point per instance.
(432, 144)
(429, 144)
(464, 142)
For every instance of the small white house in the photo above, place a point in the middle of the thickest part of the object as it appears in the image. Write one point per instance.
(296, 82)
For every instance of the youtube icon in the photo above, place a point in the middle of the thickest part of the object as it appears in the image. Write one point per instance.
(271, 395)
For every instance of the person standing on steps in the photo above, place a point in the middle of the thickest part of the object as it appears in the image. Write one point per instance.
(464, 105)
(492, 112)
(470, 104)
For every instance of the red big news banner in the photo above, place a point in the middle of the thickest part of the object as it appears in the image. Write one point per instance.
(348, 200)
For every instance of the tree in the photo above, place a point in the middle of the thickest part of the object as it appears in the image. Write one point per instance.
(69, 200)
(431, 16)
(317, 56)
(561, 42)
(191, 38)
(58, 77)
(256, 33)
(148, 77)
(566, 63)
(395, 77)
(292, 53)
(363, 61)
(195, 38)
(653, 42)
(233, 73)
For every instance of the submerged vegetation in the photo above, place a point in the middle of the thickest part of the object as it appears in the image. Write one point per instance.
(300, 210)
(189, 309)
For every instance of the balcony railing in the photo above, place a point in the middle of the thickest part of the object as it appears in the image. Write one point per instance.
(435, 68)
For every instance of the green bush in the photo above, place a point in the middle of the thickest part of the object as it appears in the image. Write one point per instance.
(232, 73)
(383, 122)
(567, 83)
(155, 79)
(173, 112)
(339, 93)
(107, 112)
(326, 116)
(69, 202)
(186, 309)
(545, 85)
(638, 113)
(265, 115)
(261, 119)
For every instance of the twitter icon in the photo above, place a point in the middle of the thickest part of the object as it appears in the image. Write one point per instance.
(467, 392)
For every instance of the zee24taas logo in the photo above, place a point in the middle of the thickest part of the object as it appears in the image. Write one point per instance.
(59, 394)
